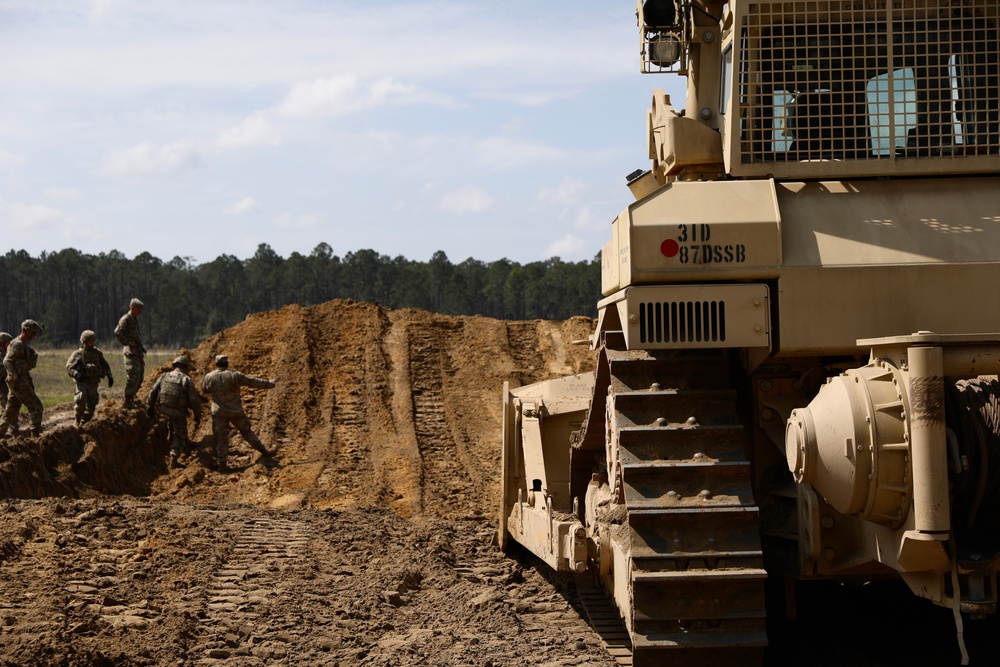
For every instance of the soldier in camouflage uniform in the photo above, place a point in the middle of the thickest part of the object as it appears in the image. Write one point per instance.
(223, 385)
(87, 366)
(127, 333)
(174, 394)
(19, 361)
(5, 339)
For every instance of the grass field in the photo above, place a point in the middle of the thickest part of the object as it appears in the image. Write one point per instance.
(55, 387)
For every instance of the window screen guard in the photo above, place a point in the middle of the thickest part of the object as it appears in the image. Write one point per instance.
(890, 83)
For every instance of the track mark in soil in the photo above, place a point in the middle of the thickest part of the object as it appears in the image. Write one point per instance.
(30, 611)
(233, 624)
(522, 345)
(446, 482)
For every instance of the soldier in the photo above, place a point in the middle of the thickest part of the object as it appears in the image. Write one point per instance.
(127, 332)
(19, 361)
(87, 366)
(223, 385)
(5, 339)
(174, 394)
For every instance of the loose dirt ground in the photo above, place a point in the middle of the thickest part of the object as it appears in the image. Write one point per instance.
(368, 541)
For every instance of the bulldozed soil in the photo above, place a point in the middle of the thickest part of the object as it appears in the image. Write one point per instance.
(369, 540)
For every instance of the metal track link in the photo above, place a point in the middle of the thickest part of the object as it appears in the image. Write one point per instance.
(695, 564)
(604, 619)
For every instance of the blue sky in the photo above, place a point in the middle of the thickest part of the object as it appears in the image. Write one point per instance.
(196, 128)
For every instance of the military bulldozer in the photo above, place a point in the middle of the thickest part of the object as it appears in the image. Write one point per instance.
(797, 343)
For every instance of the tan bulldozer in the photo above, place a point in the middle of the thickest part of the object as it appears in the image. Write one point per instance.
(799, 336)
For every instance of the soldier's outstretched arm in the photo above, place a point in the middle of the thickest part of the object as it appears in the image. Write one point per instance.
(254, 382)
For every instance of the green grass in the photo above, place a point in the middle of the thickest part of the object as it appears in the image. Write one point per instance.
(55, 387)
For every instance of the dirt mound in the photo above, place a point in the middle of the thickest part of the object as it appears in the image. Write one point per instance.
(373, 407)
(392, 408)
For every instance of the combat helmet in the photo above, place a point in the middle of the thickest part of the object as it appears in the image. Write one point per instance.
(182, 361)
(88, 335)
(31, 325)
(5, 337)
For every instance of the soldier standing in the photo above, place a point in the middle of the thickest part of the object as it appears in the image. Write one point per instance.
(174, 394)
(127, 332)
(223, 385)
(19, 361)
(87, 366)
(5, 339)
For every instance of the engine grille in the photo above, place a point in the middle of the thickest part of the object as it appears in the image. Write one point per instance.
(868, 80)
(682, 322)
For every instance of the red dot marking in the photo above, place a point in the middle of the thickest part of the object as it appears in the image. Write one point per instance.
(669, 248)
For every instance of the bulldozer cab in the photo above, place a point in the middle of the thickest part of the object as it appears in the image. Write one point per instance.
(857, 88)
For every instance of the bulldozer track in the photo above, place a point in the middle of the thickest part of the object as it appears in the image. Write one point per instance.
(695, 565)
(604, 620)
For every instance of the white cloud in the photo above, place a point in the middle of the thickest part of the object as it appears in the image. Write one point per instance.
(526, 98)
(99, 10)
(568, 246)
(147, 159)
(62, 193)
(289, 221)
(8, 159)
(469, 199)
(31, 217)
(245, 205)
(566, 193)
(256, 130)
(330, 97)
(503, 153)
(587, 220)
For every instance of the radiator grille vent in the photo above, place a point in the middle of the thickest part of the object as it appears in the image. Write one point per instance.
(682, 321)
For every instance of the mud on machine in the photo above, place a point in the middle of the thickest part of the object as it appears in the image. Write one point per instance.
(796, 348)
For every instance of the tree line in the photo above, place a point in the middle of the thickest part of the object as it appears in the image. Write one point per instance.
(69, 291)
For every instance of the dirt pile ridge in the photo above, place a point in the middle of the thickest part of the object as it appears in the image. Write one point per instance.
(377, 407)
(373, 407)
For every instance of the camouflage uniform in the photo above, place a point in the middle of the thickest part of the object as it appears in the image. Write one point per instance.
(5, 339)
(174, 394)
(19, 361)
(223, 385)
(127, 333)
(87, 366)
